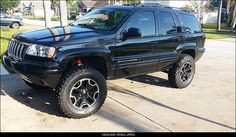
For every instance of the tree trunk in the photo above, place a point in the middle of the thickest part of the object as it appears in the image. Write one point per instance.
(228, 12)
(47, 12)
(219, 15)
(63, 12)
(233, 23)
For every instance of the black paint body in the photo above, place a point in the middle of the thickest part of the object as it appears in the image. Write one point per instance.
(123, 58)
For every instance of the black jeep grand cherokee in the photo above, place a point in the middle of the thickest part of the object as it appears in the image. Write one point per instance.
(108, 43)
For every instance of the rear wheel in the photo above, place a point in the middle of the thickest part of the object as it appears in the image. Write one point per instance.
(15, 25)
(82, 92)
(182, 73)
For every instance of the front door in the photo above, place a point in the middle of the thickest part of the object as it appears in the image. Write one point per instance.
(135, 53)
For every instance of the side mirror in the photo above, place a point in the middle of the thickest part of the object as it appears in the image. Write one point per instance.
(131, 33)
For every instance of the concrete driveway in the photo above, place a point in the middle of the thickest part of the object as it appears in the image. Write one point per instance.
(144, 103)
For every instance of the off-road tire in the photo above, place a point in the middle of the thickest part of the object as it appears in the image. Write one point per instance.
(174, 73)
(66, 84)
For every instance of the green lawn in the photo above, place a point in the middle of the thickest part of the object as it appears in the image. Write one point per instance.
(53, 18)
(211, 33)
(6, 34)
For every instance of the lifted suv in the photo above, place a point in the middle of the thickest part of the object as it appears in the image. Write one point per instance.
(108, 43)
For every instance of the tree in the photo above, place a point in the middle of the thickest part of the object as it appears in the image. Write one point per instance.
(47, 12)
(55, 6)
(72, 5)
(6, 5)
(63, 12)
(231, 14)
(228, 11)
(233, 23)
(220, 2)
(200, 7)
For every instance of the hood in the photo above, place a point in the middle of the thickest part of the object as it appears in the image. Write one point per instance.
(55, 35)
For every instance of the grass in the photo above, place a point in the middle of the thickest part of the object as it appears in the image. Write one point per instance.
(6, 34)
(53, 18)
(211, 33)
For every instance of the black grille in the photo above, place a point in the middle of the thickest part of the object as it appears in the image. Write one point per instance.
(17, 49)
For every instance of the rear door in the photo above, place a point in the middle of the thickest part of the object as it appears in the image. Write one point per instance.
(136, 55)
(169, 38)
(192, 30)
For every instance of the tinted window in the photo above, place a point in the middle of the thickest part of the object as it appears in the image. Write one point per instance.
(144, 21)
(102, 19)
(167, 23)
(191, 24)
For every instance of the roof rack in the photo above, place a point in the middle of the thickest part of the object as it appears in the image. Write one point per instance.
(160, 5)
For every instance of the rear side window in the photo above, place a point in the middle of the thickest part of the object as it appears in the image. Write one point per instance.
(144, 21)
(167, 23)
(190, 23)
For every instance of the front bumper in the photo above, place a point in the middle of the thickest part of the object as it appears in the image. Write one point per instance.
(41, 73)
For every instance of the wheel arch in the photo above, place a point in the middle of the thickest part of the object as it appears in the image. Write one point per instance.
(99, 61)
(189, 48)
(15, 22)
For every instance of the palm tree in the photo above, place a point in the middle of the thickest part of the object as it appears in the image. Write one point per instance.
(47, 12)
(63, 12)
(228, 11)
(220, 2)
(233, 22)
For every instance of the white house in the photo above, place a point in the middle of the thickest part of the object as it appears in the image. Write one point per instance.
(37, 6)
(171, 3)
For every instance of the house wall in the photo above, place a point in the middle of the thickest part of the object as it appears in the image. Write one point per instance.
(163, 2)
(38, 6)
(172, 3)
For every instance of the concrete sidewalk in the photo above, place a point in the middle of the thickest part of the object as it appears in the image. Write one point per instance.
(143, 103)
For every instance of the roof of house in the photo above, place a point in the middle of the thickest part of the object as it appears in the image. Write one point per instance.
(93, 3)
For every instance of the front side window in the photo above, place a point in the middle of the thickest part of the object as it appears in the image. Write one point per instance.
(144, 22)
(102, 19)
(167, 23)
(190, 23)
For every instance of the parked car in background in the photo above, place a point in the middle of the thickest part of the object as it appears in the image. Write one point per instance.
(10, 21)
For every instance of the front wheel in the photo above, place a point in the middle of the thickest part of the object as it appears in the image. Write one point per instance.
(81, 92)
(182, 73)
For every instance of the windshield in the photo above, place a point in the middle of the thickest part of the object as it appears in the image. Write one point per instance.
(102, 19)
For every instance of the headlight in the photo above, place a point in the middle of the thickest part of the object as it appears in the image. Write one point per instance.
(41, 51)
